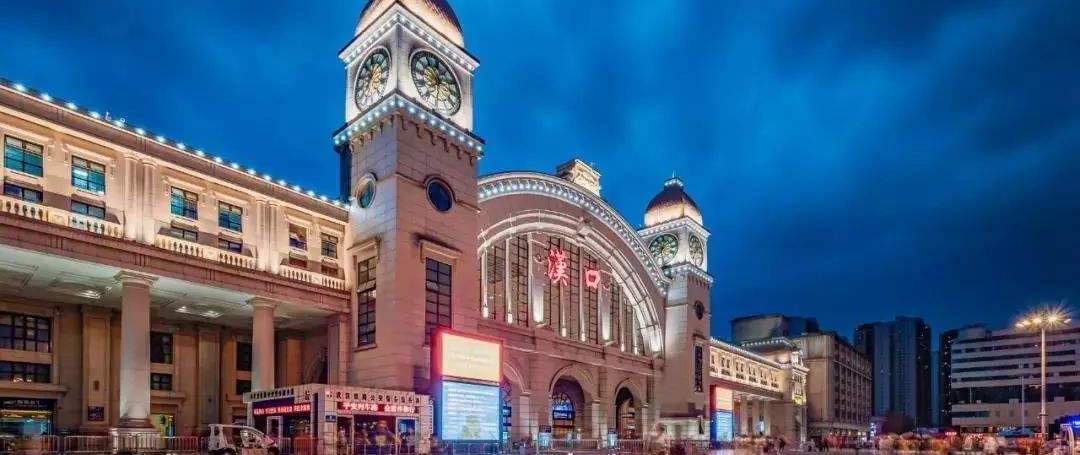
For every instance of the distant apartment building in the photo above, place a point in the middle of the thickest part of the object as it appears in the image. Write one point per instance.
(899, 353)
(935, 388)
(941, 377)
(990, 368)
(838, 386)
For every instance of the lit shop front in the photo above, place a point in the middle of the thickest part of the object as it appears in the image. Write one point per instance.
(26, 416)
(466, 372)
(343, 419)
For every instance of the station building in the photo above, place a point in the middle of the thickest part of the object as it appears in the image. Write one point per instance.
(144, 281)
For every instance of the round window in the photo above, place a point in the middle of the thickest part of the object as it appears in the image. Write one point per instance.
(439, 195)
(367, 193)
(699, 310)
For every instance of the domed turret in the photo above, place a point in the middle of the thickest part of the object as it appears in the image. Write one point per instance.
(436, 13)
(671, 203)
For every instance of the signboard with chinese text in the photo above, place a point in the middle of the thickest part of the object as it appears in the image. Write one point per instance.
(348, 407)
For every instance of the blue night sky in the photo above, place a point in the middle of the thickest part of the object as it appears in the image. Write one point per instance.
(853, 161)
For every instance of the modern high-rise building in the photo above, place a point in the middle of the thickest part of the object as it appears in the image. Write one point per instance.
(766, 326)
(990, 368)
(944, 369)
(899, 352)
(935, 388)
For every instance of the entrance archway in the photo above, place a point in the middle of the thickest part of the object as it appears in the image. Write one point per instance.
(626, 415)
(567, 409)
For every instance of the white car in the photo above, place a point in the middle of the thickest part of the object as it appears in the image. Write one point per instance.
(239, 440)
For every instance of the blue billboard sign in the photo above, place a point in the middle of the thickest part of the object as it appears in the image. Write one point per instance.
(469, 412)
(723, 426)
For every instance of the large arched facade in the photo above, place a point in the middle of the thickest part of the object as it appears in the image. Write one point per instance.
(571, 288)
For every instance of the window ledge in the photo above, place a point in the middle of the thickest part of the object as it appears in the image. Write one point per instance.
(24, 174)
(366, 347)
(99, 195)
(183, 220)
(232, 232)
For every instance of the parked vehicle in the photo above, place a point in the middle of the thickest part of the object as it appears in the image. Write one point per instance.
(239, 440)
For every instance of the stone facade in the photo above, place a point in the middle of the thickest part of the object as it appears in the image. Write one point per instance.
(165, 282)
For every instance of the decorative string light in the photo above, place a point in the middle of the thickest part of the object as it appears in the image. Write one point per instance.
(122, 124)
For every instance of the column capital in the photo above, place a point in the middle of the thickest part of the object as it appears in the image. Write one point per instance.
(127, 277)
(262, 302)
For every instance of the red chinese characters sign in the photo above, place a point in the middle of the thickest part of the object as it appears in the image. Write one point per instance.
(359, 406)
(556, 267)
(558, 270)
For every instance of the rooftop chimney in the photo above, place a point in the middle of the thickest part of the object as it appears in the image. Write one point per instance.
(582, 174)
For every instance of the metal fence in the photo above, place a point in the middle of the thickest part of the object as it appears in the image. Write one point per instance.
(189, 445)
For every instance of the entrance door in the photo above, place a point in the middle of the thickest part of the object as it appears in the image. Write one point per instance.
(273, 427)
(345, 435)
(165, 424)
(406, 432)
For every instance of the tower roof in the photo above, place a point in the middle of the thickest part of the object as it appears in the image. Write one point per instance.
(671, 203)
(436, 13)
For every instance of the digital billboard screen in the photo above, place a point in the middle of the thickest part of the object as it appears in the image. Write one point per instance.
(469, 412)
(723, 426)
(466, 357)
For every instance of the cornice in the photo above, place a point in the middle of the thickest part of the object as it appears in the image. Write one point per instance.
(675, 224)
(398, 16)
(397, 103)
(123, 126)
(689, 268)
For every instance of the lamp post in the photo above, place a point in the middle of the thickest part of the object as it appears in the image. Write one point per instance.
(1042, 319)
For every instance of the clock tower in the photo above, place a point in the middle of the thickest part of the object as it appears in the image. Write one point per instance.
(677, 240)
(408, 171)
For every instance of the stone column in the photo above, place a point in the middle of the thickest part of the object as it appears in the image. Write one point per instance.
(135, 352)
(132, 203)
(337, 347)
(149, 197)
(262, 343)
(258, 219)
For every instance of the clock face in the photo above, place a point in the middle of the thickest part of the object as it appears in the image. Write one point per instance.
(371, 79)
(435, 83)
(697, 252)
(664, 247)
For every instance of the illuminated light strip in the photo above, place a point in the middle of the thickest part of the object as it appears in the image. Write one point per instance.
(123, 125)
(674, 224)
(455, 55)
(720, 344)
(398, 103)
(536, 183)
(689, 268)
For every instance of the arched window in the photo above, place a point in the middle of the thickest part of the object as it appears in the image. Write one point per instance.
(562, 411)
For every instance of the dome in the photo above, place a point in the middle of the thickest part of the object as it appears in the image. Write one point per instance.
(436, 13)
(671, 203)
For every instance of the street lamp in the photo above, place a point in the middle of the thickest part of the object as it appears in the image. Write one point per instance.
(1042, 319)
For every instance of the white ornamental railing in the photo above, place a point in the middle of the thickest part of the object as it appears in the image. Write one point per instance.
(24, 209)
(183, 247)
(90, 224)
(308, 276)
